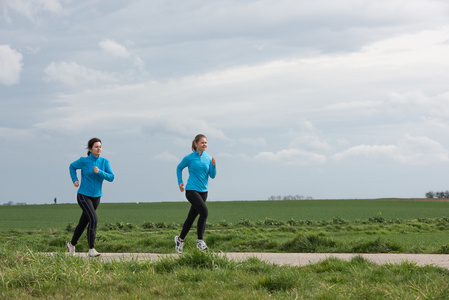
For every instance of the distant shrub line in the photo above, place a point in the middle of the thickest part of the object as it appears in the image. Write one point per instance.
(378, 219)
(438, 195)
(290, 197)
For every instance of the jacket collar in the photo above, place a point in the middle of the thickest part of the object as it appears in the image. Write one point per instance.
(93, 157)
(197, 154)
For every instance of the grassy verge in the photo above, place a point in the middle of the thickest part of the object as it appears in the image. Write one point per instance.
(373, 235)
(202, 275)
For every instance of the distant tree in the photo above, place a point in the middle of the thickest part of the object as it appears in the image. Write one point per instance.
(440, 195)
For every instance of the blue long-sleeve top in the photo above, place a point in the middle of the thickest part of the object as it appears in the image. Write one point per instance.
(91, 182)
(200, 169)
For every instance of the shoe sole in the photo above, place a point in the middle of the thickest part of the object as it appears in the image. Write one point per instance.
(68, 249)
(201, 249)
(176, 244)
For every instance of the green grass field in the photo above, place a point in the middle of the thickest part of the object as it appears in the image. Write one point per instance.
(339, 226)
(58, 216)
(275, 226)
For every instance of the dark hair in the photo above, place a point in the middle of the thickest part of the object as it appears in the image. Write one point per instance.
(196, 140)
(91, 143)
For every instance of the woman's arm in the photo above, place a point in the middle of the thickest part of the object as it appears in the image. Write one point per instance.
(179, 169)
(72, 169)
(213, 168)
(107, 174)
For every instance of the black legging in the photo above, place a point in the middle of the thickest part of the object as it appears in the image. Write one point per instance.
(89, 206)
(198, 201)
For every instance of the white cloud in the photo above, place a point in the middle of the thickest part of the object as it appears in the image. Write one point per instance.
(294, 157)
(417, 101)
(119, 50)
(10, 65)
(420, 150)
(413, 150)
(166, 156)
(307, 138)
(355, 105)
(114, 48)
(419, 40)
(413, 49)
(51, 5)
(412, 103)
(31, 9)
(135, 110)
(72, 74)
(242, 156)
(17, 134)
(253, 141)
(436, 124)
(368, 151)
(379, 62)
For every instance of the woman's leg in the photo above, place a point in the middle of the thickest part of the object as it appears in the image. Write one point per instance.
(89, 216)
(198, 201)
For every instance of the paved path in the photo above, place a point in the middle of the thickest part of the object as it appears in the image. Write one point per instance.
(301, 259)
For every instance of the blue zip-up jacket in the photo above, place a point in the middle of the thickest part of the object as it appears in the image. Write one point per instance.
(200, 168)
(91, 182)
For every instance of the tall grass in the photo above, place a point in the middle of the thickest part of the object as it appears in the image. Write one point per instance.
(268, 235)
(202, 275)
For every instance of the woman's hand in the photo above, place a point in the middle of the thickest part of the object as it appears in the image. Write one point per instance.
(76, 183)
(214, 162)
(96, 170)
(181, 187)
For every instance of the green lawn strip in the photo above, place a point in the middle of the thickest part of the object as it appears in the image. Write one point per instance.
(26, 274)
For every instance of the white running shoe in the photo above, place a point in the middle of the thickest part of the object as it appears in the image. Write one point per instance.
(201, 245)
(93, 253)
(70, 248)
(179, 244)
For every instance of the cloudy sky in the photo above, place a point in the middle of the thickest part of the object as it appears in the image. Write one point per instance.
(329, 99)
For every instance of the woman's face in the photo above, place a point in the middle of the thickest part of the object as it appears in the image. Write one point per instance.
(96, 149)
(201, 145)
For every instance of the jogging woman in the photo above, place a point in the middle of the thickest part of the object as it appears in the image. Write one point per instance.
(201, 166)
(94, 169)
